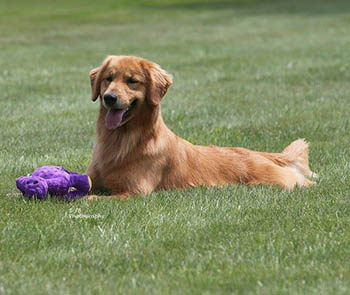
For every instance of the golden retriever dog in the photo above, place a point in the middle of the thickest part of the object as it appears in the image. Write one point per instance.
(136, 153)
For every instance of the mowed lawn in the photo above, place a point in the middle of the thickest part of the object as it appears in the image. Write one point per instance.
(246, 73)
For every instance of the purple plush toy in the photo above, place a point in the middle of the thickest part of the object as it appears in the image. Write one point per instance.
(55, 181)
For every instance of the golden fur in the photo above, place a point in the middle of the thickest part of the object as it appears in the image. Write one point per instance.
(143, 155)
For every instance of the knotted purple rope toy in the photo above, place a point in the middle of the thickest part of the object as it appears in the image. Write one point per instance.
(54, 181)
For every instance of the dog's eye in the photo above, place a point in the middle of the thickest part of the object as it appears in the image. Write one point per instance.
(131, 80)
(109, 78)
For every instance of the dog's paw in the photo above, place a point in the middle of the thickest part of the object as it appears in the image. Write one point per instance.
(313, 175)
(93, 197)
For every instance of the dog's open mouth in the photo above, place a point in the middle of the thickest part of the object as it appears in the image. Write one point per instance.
(117, 117)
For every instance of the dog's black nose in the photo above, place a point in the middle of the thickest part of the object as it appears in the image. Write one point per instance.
(110, 99)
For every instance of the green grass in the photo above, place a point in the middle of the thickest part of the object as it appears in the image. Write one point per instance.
(246, 73)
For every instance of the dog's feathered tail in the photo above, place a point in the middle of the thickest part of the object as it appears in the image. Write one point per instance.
(296, 156)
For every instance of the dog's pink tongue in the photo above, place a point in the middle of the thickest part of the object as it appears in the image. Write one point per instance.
(114, 118)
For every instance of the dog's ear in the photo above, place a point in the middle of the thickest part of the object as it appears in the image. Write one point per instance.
(95, 87)
(158, 83)
(96, 76)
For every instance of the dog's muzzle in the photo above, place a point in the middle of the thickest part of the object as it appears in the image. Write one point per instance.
(111, 99)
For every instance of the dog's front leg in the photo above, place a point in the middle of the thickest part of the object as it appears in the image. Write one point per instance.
(94, 174)
(120, 196)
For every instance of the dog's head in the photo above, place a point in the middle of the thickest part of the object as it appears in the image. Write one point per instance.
(127, 85)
